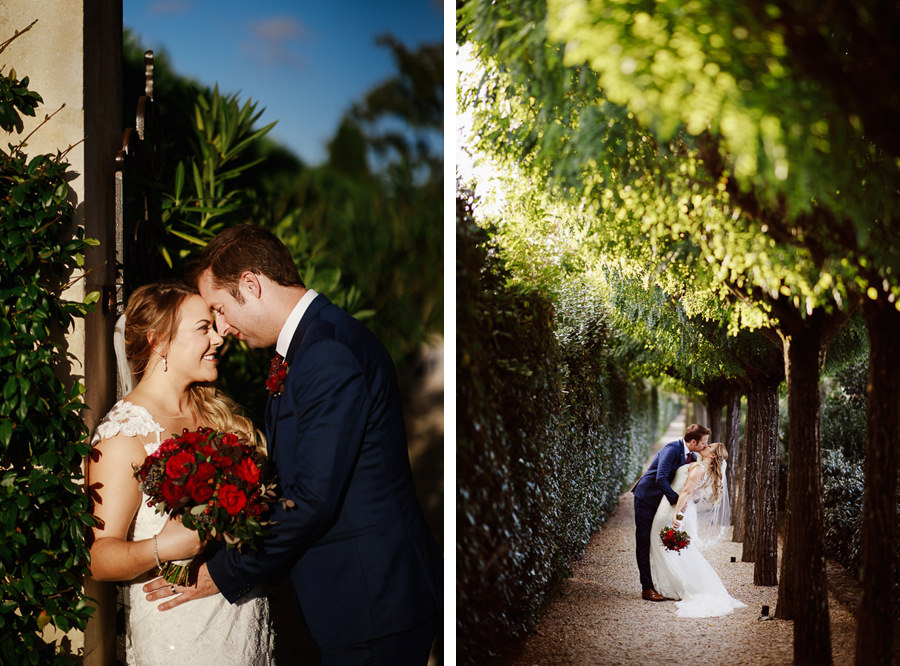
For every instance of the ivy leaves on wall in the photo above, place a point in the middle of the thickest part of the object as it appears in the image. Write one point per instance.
(43, 440)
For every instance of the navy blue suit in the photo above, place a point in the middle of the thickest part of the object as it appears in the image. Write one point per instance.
(361, 559)
(656, 482)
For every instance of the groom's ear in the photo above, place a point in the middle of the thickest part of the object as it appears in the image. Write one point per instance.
(249, 282)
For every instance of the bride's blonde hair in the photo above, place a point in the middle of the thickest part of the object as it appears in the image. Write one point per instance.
(715, 469)
(151, 319)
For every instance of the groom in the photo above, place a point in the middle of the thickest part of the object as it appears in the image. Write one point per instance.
(650, 488)
(364, 567)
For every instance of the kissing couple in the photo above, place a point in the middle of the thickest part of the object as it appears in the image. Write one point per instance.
(686, 474)
(352, 542)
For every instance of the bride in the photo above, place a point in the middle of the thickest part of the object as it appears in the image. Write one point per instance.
(171, 346)
(686, 575)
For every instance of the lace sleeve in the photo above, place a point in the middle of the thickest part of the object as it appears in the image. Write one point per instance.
(126, 419)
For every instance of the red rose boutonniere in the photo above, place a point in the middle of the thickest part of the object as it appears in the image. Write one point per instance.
(277, 374)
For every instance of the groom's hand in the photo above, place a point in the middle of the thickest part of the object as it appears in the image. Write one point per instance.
(160, 588)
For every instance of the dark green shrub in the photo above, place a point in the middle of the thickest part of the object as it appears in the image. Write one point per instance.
(843, 482)
(843, 443)
(43, 509)
(843, 448)
(549, 428)
(844, 412)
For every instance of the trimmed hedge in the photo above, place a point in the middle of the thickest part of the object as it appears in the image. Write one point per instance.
(550, 428)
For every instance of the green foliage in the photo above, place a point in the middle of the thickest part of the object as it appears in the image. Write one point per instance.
(550, 426)
(43, 509)
(843, 443)
(202, 199)
(402, 118)
(727, 69)
(385, 244)
(677, 335)
(844, 412)
(757, 183)
(374, 209)
(843, 482)
(16, 100)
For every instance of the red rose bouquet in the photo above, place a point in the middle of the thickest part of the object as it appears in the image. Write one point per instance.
(214, 482)
(674, 539)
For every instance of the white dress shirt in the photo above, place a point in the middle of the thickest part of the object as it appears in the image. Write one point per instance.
(293, 321)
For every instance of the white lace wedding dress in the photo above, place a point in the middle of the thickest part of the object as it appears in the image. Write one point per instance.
(686, 575)
(207, 631)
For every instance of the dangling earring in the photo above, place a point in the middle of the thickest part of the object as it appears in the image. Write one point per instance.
(165, 364)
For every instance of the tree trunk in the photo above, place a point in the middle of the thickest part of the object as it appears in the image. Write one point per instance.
(803, 589)
(714, 405)
(765, 569)
(732, 443)
(738, 511)
(699, 412)
(756, 428)
(874, 637)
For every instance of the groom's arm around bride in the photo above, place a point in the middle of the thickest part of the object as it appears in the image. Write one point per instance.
(364, 567)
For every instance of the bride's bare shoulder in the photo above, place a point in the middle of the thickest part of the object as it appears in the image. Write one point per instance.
(119, 450)
(695, 470)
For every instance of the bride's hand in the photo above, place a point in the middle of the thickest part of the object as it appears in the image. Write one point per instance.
(675, 522)
(177, 542)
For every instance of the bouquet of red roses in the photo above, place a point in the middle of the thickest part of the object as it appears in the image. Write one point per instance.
(674, 539)
(214, 482)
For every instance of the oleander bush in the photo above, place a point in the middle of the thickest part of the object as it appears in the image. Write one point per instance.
(43, 509)
(550, 428)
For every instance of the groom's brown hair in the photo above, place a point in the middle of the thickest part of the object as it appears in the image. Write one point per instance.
(695, 432)
(244, 248)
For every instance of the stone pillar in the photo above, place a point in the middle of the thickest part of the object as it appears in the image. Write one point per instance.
(73, 57)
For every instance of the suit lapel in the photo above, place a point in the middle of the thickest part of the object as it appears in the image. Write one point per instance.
(270, 424)
(274, 404)
(312, 312)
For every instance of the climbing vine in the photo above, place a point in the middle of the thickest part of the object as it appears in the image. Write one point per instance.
(43, 440)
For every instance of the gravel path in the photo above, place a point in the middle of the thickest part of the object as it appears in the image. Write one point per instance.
(601, 618)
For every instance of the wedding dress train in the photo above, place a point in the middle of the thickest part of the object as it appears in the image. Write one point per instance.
(208, 631)
(685, 574)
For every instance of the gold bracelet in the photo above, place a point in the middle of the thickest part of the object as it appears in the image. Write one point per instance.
(156, 553)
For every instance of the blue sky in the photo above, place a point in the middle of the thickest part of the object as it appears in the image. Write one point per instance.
(305, 61)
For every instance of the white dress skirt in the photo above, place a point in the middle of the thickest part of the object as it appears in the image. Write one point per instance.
(686, 575)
